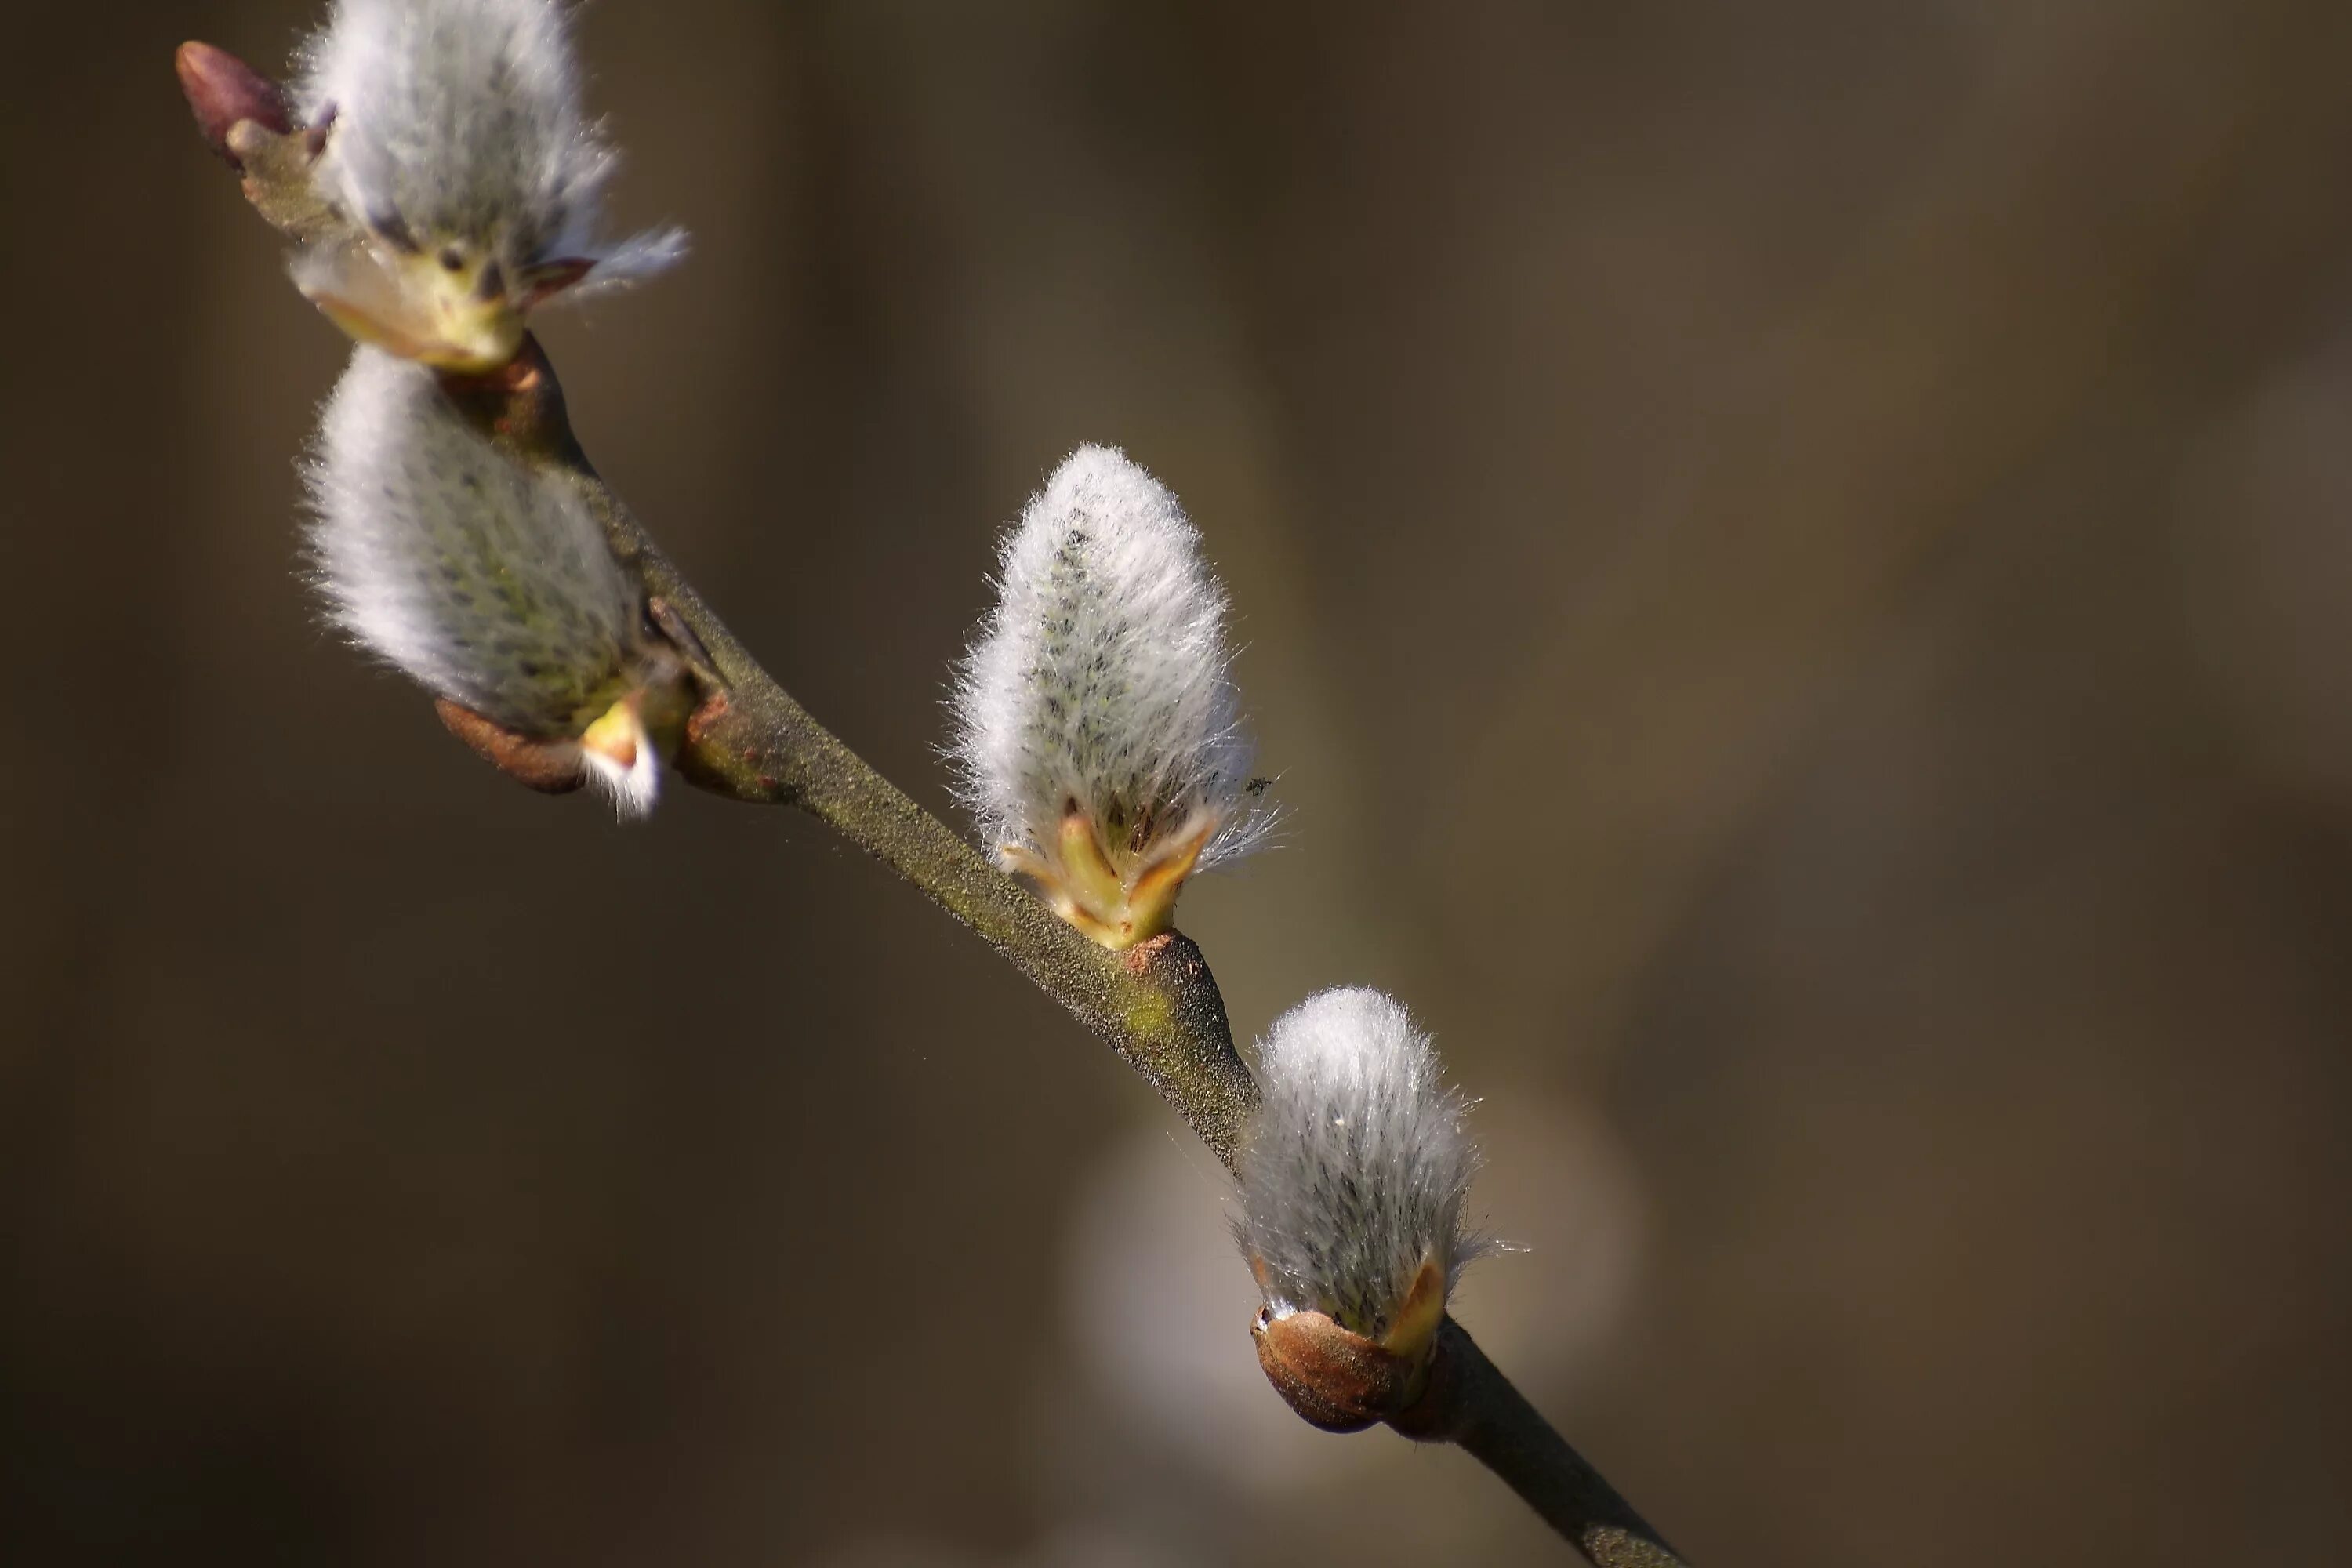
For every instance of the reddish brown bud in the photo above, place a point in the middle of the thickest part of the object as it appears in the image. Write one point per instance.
(224, 91)
(1335, 1378)
(552, 767)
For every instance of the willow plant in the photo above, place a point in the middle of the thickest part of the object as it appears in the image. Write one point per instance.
(439, 180)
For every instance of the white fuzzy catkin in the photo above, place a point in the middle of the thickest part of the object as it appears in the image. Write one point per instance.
(1357, 1167)
(1100, 680)
(489, 583)
(457, 122)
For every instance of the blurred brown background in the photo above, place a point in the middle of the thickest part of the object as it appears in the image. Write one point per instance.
(1797, 563)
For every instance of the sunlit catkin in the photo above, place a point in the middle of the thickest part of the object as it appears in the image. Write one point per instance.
(1354, 1173)
(450, 133)
(1097, 731)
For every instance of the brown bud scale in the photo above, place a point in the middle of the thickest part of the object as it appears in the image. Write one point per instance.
(550, 767)
(1333, 1377)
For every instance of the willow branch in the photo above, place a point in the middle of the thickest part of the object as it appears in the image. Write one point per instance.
(1157, 1004)
(1469, 1403)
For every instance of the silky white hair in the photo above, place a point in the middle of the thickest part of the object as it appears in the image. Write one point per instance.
(1101, 677)
(632, 788)
(490, 583)
(1356, 1166)
(459, 121)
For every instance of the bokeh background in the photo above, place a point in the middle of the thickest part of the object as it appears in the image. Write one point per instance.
(1797, 569)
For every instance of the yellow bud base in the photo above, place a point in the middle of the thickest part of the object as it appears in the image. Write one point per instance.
(1082, 881)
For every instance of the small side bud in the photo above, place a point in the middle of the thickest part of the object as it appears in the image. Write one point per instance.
(490, 584)
(1353, 1178)
(450, 134)
(224, 91)
(1096, 731)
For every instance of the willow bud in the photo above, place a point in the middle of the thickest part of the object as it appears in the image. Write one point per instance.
(490, 584)
(224, 92)
(1097, 731)
(1353, 1178)
(450, 134)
